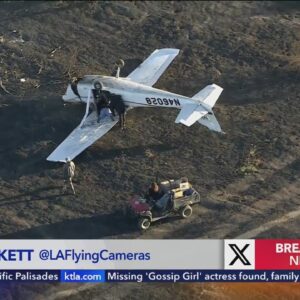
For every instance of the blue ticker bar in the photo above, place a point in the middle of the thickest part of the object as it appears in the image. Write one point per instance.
(82, 276)
(98, 276)
(202, 276)
(29, 275)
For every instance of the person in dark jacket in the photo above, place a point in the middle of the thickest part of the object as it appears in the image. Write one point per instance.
(100, 99)
(155, 192)
(160, 198)
(117, 104)
(102, 102)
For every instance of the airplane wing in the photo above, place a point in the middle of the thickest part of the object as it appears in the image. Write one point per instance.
(152, 68)
(81, 138)
(190, 113)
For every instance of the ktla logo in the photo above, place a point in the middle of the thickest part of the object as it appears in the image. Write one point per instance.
(239, 254)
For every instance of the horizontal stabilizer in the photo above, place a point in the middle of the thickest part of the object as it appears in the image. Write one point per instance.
(209, 95)
(211, 122)
(190, 113)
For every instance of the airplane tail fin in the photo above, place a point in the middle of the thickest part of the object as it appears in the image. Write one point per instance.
(202, 111)
(209, 95)
(207, 98)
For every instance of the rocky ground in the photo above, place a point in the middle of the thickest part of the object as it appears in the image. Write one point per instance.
(248, 178)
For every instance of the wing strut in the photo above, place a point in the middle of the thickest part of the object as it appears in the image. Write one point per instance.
(87, 108)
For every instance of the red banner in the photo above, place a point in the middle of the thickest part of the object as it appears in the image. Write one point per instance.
(277, 254)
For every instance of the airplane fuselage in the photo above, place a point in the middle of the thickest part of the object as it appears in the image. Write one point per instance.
(134, 94)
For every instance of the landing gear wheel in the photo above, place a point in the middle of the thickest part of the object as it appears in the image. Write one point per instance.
(186, 212)
(144, 223)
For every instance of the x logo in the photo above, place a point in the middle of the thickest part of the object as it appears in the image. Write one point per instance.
(239, 254)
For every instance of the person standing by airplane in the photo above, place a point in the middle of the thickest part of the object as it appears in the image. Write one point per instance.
(101, 102)
(104, 113)
(117, 104)
(98, 97)
(69, 172)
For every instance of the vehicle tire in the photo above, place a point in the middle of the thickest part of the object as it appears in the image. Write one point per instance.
(186, 212)
(144, 223)
(197, 197)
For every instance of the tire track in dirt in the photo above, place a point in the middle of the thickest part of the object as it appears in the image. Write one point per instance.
(286, 199)
(269, 225)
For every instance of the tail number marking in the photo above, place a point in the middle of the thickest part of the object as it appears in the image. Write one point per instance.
(162, 101)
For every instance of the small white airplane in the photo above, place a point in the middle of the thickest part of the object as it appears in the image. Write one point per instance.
(137, 91)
